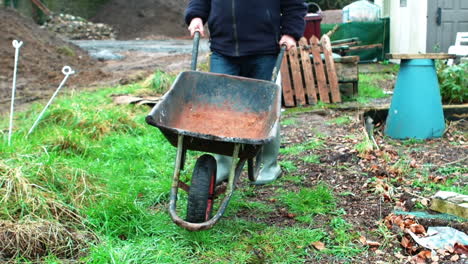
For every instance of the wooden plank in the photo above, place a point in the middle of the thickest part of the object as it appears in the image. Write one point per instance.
(331, 71)
(308, 74)
(365, 47)
(436, 56)
(319, 71)
(286, 83)
(345, 44)
(347, 59)
(296, 77)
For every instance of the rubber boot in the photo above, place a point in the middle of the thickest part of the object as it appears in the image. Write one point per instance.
(223, 165)
(271, 169)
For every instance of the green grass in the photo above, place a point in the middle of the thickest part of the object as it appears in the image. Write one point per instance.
(297, 149)
(454, 180)
(157, 83)
(103, 163)
(309, 202)
(312, 159)
(288, 121)
(342, 120)
(369, 86)
(288, 166)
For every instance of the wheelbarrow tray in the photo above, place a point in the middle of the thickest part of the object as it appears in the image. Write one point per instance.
(216, 111)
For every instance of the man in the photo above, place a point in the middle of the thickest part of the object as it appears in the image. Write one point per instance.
(245, 38)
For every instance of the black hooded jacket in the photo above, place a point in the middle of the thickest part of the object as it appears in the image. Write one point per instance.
(248, 27)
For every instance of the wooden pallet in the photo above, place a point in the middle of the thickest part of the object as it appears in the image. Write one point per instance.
(306, 78)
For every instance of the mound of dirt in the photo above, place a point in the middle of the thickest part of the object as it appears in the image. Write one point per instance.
(42, 57)
(144, 19)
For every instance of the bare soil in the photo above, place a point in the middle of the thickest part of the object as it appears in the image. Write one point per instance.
(222, 122)
(42, 57)
(44, 54)
(144, 19)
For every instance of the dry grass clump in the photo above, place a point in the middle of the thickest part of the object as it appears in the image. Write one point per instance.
(20, 198)
(34, 223)
(92, 122)
(36, 239)
(67, 144)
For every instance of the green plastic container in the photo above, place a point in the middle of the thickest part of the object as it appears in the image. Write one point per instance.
(416, 110)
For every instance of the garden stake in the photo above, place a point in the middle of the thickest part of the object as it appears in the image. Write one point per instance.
(17, 45)
(67, 71)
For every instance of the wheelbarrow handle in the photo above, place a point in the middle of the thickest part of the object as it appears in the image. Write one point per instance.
(196, 42)
(279, 60)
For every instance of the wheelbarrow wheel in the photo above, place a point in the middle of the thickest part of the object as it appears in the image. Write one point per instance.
(201, 193)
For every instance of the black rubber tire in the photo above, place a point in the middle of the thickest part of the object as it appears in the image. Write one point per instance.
(200, 196)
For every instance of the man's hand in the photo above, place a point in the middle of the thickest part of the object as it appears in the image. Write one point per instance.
(196, 25)
(287, 40)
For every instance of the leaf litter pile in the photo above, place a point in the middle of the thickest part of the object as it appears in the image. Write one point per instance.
(372, 177)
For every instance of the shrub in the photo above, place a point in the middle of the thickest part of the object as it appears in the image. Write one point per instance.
(453, 83)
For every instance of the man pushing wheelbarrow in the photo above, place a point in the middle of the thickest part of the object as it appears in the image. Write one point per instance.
(245, 38)
(233, 111)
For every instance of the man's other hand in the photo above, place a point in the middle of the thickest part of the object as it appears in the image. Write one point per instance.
(196, 25)
(287, 40)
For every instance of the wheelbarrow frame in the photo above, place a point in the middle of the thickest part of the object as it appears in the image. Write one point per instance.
(239, 148)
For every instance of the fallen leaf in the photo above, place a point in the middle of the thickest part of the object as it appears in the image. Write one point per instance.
(290, 215)
(413, 164)
(449, 249)
(455, 258)
(417, 229)
(425, 202)
(405, 242)
(437, 179)
(399, 255)
(408, 222)
(373, 243)
(425, 254)
(418, 259)
(318, 245)
(398, 220)
(460, 249)
(363, 240)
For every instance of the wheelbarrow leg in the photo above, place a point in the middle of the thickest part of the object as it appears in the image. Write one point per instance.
(234, 174)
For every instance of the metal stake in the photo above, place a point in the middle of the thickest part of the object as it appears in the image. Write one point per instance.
(67, 71)
(17, 45)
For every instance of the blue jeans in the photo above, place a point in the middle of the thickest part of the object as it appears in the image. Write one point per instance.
(258, 67)
(254, 66)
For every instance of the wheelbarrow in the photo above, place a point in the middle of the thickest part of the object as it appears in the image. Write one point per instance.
(218, 114)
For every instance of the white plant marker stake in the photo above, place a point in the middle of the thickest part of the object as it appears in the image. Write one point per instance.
(17, 45)
(67, 71)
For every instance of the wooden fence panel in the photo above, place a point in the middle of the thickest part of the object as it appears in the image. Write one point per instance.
(288, 96)
(331, 71)
(309, 80)
(319, 71)
(296, 76)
